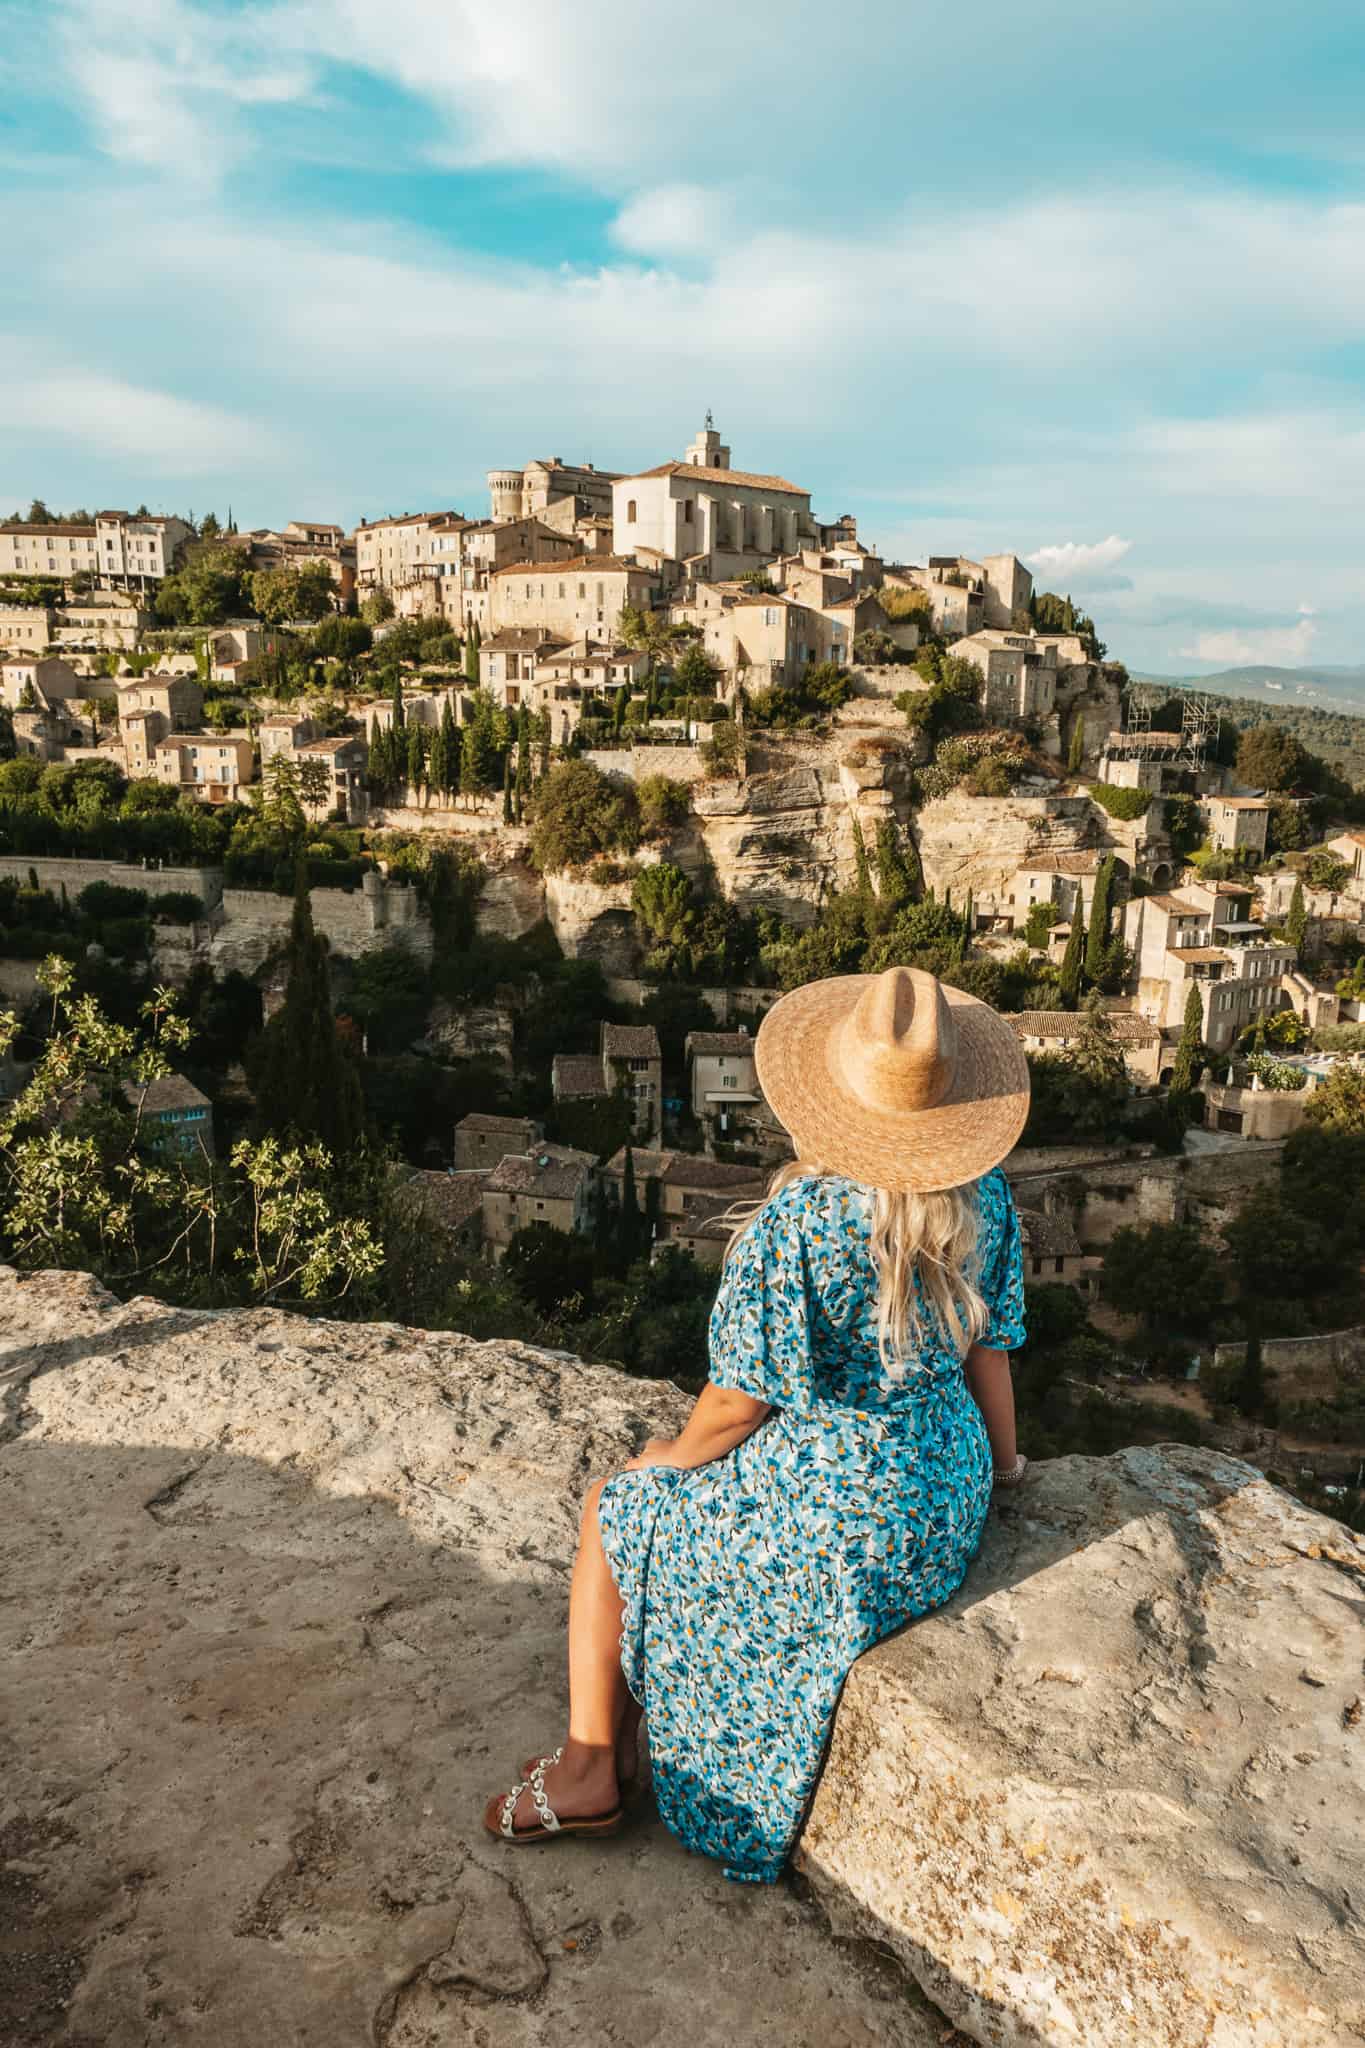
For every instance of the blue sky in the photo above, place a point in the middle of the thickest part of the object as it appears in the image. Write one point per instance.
(1089, 284)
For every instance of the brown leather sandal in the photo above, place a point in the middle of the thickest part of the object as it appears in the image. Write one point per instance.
(547, 1824)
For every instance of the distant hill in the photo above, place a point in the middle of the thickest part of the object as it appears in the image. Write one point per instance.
(1323, 707)
(1335, 689)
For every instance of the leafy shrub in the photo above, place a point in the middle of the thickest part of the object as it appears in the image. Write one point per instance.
(579, 813)
(102, 900)
(177, 906)
(663, 804)
(1125, 804)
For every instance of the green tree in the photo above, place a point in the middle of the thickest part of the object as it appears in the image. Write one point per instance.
(1069, 977)
(695, 673)
(377, 608)
(523, 775)
(1038, 923)
(662, 901)
(508, 813)
(578, 814)
(480, 768)
(552, 1269)
(472, 641)
(862, 872)
(1075, 759)
(1189, 1053)
(1249, 1389)
(315, 782)
(388, 997)
(1166, 1274)
(1339, 1104)
(305, 1084)
(1296, 924)
(897, 865)
(280, 798)
(398, 714)
(1097, 938)
(630, 1228)
(205, 587)
(438, 758)
(663, 804)
(415, 760)
(283, 595)
(341, 639)
(1269, 757)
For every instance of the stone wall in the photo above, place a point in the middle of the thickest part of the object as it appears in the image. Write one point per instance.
(79, 874)
(255, 923)
(1104, 1194)
(680, 764)
(1306, 1368)
(725, 1004)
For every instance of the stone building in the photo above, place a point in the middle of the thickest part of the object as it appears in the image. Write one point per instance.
(1019, 671)
(1052, 1251)
(956, 590)
(723, 521)
(695, 1196)
(347, 758)
(627, 1062)
(176, 1116)
(482, 1140)
(548, 1184)
(215, 767)
(284, 732)
(723, 1079)
(42, 681)
(453, 1201)
(1056, 1031)
(550, 489)
(176, 699)
(1199, 936)
(1056, 878)
(1236, 824)
(582, 597)
(119, 550)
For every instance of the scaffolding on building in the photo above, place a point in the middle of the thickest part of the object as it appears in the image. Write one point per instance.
(1200, 723)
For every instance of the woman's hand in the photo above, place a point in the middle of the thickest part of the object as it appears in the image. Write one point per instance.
(660, 1450)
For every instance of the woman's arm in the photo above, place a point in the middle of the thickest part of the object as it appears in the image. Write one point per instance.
(988, 1376)
(722, 1418)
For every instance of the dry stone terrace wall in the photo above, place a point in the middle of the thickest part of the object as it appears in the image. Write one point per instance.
(285, 1601)
(79, 874)
(1102, 1196)
(255, 924)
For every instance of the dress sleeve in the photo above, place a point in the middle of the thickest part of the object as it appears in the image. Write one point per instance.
(1002, 1275)
(759, 1333)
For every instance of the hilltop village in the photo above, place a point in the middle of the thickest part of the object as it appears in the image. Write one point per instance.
(547, 806)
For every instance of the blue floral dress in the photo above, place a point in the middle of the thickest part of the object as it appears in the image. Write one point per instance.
(751, 1584)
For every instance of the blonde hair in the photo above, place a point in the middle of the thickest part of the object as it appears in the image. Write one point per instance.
(929, 1237)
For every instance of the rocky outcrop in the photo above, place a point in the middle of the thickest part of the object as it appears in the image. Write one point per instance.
(285, 1599)
(1114, 1793)
(511, 899)
(977, 842)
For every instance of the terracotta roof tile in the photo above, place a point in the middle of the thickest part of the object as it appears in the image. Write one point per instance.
(746, 478)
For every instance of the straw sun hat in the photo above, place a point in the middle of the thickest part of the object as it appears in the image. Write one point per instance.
(894, 1079)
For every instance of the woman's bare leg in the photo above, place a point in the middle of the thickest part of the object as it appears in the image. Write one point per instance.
(585, 1780)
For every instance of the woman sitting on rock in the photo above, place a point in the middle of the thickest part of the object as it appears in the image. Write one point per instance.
(833, 1479)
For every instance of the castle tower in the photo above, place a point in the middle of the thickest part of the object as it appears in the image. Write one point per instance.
(505, 488)
(708, 451)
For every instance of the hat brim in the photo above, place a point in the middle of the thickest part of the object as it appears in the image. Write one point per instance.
(969, 1131)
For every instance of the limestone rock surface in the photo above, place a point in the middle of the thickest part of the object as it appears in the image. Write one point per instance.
(281, 1603)
(1114, 1793)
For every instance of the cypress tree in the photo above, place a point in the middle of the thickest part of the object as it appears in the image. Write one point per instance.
(471, 651)
(523, 751)
(968, 921)
(1247, 1390)
(861, 869)
(1076, 753)
(398, 703)
(1098, 937)
(651, 1209)
(630, 1213)
(507, 790)
(1069, 981)
(438, 760)
(305, 1086)
(450, 743)
(1185, 1071)
(545, 744)
(415, 764)
(1296, 924)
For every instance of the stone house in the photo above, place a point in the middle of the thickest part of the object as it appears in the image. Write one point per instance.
(347, 758)
(548, 1184)
(175, 1115)
(150, 709)
(549, 487)
(722, 1074)
(1055, 878)
(230, 646)
(42, 681)
(694, 1194)
(1056, 1031)
(628, 1061)
(453, 1201)
(956, 590)
(284, 732)
(581, 597)
(702, 511)
(482, 1140)
(26, 628)
(1350, 847)
(216, 767)
(119, 550)
(1250, 1109)
(1019, 671)
(1199, 936)
(1052, 1251)
(1236, 824)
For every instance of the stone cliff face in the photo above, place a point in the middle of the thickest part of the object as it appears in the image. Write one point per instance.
(285, 1601)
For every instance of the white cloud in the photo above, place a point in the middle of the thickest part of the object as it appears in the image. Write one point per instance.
(674, 220)
(1277, 646)
(108, 417)
(1082, 565)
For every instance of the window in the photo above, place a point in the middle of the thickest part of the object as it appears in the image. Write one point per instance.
(729, 1080)
(1060, 1265)
(1037, 1267)
(687, 510)
(561, 590)
(639, 1066)
(631, 514)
